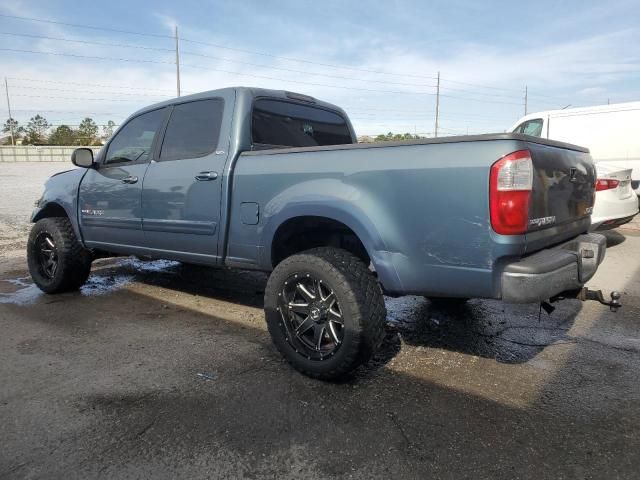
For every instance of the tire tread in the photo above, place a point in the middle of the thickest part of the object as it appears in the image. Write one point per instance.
(75, 259)
(365, 297)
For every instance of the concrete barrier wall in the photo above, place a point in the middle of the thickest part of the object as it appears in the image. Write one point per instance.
(38, 154)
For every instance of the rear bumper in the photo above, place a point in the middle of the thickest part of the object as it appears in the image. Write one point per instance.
(610, 211)
(613, 223)
(549, 272)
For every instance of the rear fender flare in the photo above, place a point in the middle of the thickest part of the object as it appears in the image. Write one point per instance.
(333, 207)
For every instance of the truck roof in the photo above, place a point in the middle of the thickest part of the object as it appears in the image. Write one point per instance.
(251, 92)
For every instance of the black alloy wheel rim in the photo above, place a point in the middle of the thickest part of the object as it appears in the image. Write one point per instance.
(311, 316)
(47, 255)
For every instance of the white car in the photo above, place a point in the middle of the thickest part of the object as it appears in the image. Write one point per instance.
(616, 202)
(610, 132)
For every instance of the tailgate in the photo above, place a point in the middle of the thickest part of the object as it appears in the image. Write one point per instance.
(563, 191)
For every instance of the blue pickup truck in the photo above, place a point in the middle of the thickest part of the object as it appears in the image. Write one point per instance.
(276, 181)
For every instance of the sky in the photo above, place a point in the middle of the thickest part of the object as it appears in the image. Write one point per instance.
(379, 60)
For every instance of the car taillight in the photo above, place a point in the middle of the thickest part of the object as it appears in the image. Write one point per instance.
(606, 184)
(510, 185)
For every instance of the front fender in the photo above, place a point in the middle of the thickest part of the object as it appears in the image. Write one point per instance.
(337, 201)
(61, 192)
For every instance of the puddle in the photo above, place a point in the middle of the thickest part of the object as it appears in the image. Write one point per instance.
(99, 285)
(24, 292)
(485, 328)
(149, 266)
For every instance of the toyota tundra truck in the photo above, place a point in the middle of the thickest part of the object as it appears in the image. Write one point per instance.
(275, 181)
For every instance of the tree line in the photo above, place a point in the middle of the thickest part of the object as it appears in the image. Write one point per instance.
(38, 131)
(388, 137)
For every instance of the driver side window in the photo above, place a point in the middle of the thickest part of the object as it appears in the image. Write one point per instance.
(134, 141)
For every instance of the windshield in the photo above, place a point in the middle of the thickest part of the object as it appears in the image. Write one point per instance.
(530, 127)
(282, 123)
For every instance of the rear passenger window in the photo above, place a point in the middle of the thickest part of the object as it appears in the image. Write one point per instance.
(193, 129)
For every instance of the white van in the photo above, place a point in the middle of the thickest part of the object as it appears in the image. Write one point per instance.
(610, 132)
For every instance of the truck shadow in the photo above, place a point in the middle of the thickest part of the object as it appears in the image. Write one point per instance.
(484, 328)
(614, 238)
(257, 418)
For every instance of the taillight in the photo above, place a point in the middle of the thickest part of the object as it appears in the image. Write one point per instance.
(606, 184)
(510, 186)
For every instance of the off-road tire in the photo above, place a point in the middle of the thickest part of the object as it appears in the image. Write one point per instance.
(361, 301)
(74, 261)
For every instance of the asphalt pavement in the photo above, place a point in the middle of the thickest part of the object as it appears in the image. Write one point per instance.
(161, 370)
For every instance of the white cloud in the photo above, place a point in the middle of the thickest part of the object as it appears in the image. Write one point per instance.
(167, 21)
(590, 91)
(556, 75)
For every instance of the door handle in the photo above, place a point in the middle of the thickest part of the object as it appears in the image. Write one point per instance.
(206, 176)
(130, 179)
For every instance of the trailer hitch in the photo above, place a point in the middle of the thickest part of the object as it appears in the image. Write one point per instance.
(585, 294)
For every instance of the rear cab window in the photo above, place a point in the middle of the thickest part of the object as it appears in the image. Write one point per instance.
(281, 123)
(530, 127)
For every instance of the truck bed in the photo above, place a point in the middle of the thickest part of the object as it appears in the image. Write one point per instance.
(425, 141)
(421, 207)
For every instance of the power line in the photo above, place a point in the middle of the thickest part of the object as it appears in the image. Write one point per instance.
(87, 42)
(123, 87)
(481, 86)
(479, 100)
(213, 57)
(290, 59)
(93, 91)
(283, 69)
(475, 92)
(90, 27)
(96, 57)
(501, 88)
(79, 124)
(71, 98)
(421, 111)
(39, 110)
(225, 47)
(420, 118)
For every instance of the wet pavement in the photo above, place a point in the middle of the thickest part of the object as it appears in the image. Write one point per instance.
(156, 369)
(161, 370)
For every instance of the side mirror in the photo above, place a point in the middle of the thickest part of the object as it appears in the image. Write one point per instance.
(82, 157)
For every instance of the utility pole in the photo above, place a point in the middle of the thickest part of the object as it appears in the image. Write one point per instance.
(526, 99)
(6, 88)
(177, 63)
(435, 133)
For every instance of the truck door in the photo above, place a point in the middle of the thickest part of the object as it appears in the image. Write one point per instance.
(182, 189)
(110, 195)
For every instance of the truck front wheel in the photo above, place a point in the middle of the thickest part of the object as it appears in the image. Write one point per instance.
(57, 260)
(325, 312)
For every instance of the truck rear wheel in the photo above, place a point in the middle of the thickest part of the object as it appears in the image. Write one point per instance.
(325, 312)
(57, 260)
